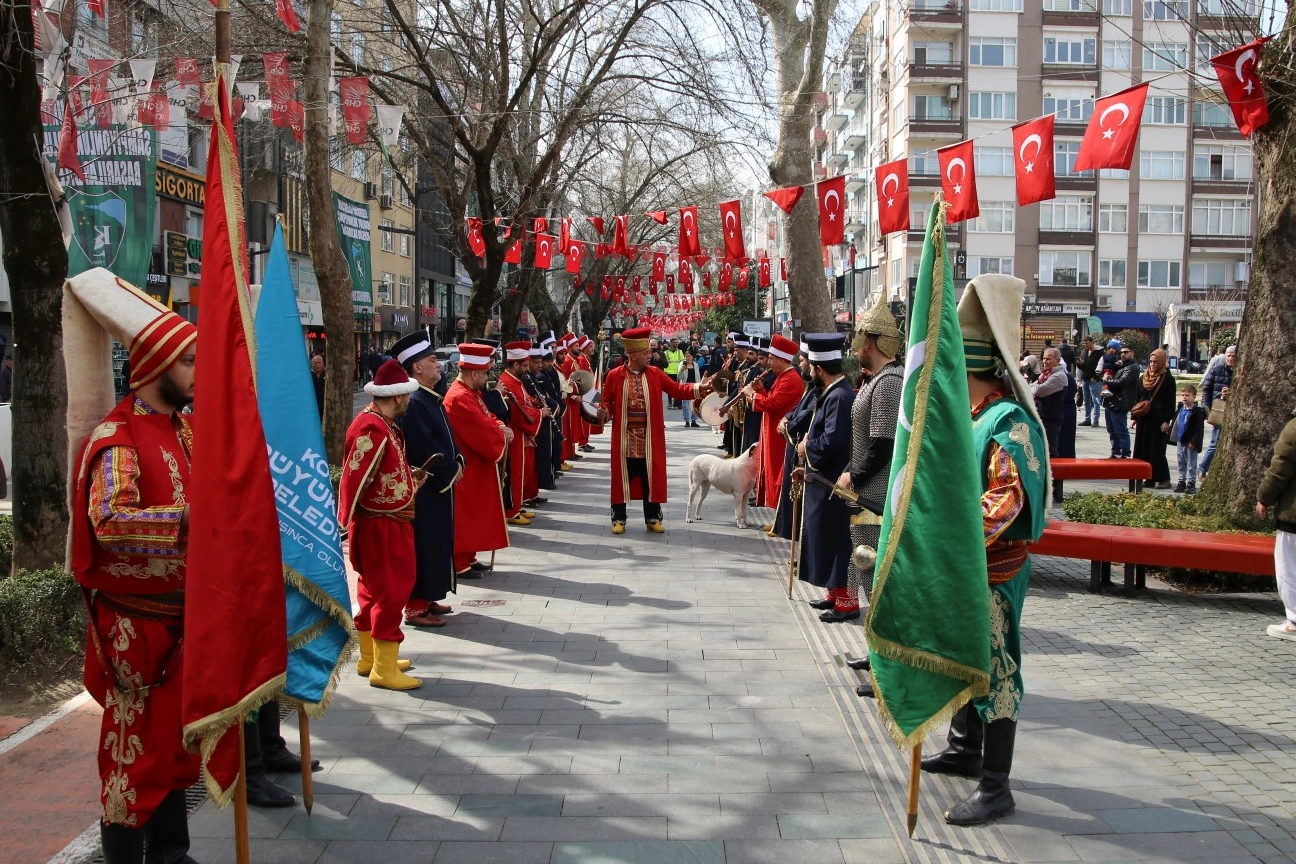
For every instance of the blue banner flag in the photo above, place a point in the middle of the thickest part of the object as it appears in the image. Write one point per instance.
(321, 636)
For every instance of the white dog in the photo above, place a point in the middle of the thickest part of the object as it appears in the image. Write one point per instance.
(731, 476)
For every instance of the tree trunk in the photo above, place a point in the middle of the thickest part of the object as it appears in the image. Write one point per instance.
(326, 250)
(36, 262)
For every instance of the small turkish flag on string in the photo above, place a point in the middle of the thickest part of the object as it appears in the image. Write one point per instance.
(765, 280)
(731, 225)
(706, 281)
(620, 288)
(513, 255)
(1109, 138)
(564, 234)
(543, 251)
(575, 251)
(658, 216)
(958, 179)
(601, 251)
(597, 222)
(658, 266)
(288, 15)
(67, 149)
(476, 242)
(636, 284)
(620, 228)
(783, 269)
(670, 284)
(786, 198)
(742, 279)
(1033, 155)
(605, 288)
(541, 225)
(726, 276)
(893, 196)
(688, 233)
(701, 261)
(1243, 91)
(832, 211)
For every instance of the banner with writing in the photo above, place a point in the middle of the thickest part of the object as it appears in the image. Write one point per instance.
(353, 230)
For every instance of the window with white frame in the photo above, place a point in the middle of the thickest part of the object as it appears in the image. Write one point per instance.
(1064, 269)
(1070, 5)
(992, 106)
(1067, 213)
(1161, 164)
(1117, 54)
(995, 5)
(1070, 106)
(1165, 111)
(1118, 7)
(1207, 46)
(404, 290)
(1111, 272)
(1113, 173)
(1161, 219)
(1206, 275)
(930, 53)
(388, 239)
(996, 218)
(405, 245)
(918, 213)
(1064, 159)
(1070, 49)
(1165, 56)
(1165, 10)
(1160, 274)
(1221, 162)
(385, 287)
(1229, 217)
(991, 51)
(924, 162)
(1227, 7)
(932, 108)
(1212, 115)
(994, 161)
(901, 64)
(976, 265)
(897, 273)
(1113, 218)
(402, 190)
(897, 114)
(359, 171)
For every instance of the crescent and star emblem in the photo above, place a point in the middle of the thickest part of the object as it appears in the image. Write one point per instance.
(949, 174)
(729, 217)
(687, 222)
(1108, 132)
(1248, 84)
(832, 208)
(1021, 152)
(890, 178)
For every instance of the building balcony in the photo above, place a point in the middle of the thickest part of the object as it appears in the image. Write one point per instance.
(856, 139)
(853, 97)
(1085, 182)
(937, 14)
(927, 181)
(919, 72)
(1080, 72)
(855, 223)
(1217, 133)
(936, 127)
(839, 159)
(835, 121)
(1220, 186)
(1066, 238)
(1218, 241)
(1072, 13)
(1070, 128)
(855, 183)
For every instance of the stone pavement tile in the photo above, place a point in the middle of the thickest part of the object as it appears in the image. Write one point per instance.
(658, 804)
(718, 782)
(511, 805)
(748, 764)
(533, 763)
(1043, 799)
(803, 827)
(391, 852)
(368, 783)
(1032, 777)
(770, 802)
(846, 781)
(1032, 844)
(758, 730)
(211, 851)
(732, 747)
(403, 805)
(590, 783)
(667, 764)
(473, 784)
(722, 826)
(599, 732)
(486, 852)
(322, 825)
(462, 826)
(262, 823)
(641, 852)
(882, 850)
(1196, 846)
(783, 851)
(1148, 820)
(559, 828)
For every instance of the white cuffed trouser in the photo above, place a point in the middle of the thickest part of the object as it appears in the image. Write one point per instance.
(1285, 567)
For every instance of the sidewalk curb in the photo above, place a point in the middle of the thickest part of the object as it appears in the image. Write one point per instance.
(34, 728)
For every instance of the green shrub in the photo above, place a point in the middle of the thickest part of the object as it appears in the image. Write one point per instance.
(6, 545)
(1135, 340)
(1224, 336)
(42, 618)
(1180, 512)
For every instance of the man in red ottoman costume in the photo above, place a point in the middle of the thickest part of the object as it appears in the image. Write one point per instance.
(774, 404)
(524, 420)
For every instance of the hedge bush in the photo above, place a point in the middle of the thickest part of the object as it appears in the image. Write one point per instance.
(1137, 341)
(6, 545)
(1224, 336)
(42, 618)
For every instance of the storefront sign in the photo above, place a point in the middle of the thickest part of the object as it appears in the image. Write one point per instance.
(183, 255)
(428, 312)
(180, 185)
(400, 320)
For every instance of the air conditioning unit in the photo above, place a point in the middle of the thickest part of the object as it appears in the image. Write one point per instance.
(1241, 272)
(1104, 301)
(385, 202)
(1029, 298)
(953, 91)
(370, 191)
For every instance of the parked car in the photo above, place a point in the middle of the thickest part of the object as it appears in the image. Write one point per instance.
(449, 357)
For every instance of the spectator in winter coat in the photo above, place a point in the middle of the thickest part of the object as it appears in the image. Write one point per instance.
(1277, 498)
(1186, 432)
(1215, 385)
(1120, 399)
(1050, 397)
(1089, 377)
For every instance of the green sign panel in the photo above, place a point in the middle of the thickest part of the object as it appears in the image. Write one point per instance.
(353, 231)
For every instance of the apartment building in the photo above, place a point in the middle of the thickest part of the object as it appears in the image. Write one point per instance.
(1119, 246)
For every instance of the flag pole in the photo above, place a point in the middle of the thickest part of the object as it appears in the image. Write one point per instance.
(792, 557)
(222, 33)
(241, 854)
(915, 772)
(308, 781)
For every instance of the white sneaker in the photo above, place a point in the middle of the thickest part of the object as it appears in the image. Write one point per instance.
(1284, 630)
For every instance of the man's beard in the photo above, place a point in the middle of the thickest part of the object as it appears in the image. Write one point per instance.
(170, 391)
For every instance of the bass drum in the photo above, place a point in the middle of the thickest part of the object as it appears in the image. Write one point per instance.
(709, 411)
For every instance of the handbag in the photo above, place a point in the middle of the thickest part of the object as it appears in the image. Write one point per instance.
(1219, 410)
(1140, 408)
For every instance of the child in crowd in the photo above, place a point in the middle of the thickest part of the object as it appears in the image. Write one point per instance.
(1186, 432)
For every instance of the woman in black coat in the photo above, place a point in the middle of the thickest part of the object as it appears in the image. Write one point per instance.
(1157, 387)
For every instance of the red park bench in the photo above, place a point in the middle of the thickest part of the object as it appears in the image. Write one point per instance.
(1138, 548)
(1133, 470)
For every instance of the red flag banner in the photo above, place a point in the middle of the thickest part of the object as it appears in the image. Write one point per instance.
(742, 279)
(786, 198)
(513, 255)
(100, 100)
(688, 233)
(476, 242)
(726, 276)
(279, 85)
(893, 196)
(574, 251)
(636, 284)
(541, 225)
(958, 179)
(783, 269)
(658, 216)
(706, 281)
(297, 119)
(765, 280)
(670, 284)
(658, 266)
(832, 211)
(186, 70)
(355, 107)
(1243, 90)
(620, 230)
(1109, 138)
(1033, 155)
(564, 235)
(288, 15)
(543, 251)
(67, 149)
(731, 225)
(597, 222)
(235, 583)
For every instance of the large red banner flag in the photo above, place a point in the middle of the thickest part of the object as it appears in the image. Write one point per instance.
(731, 226)
(892, 181)
(688, 233)
(958, 179)
(355, 107)
(1109, 138)
(234, 587)
(1033, 158)
(1244, 91)
(832, 212)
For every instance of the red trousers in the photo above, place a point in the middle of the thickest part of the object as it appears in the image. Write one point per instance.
(382, 552)
(463, 560)
(141, 757)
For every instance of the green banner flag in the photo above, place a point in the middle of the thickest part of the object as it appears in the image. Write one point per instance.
(928, 625)
(112, 211)
(353, 231)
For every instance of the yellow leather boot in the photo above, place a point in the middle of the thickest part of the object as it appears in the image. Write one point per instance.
(366, 662)
(386, 672)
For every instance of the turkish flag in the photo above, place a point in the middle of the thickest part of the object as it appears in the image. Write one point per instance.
(620, 228)
(541, 225)
(765, 279)
(597, 222)
(1033, 156)
(636, 285)
(543, 251)
(893, 196)
(731, 225)
(513, 255)
(355, 107)
(958, 179)
(575, 251)
(1109, 139)
(605, 288)
(706, 281)
(742, 279)
(688, 233)
(1243, 92)
(786, 198)
(658, 216)
(832, 211)
(670, 284)
(288, 15)
(564, 235)
(476, 242)
(726, 276)
(783, 269)
(620, 292)
(659, 266)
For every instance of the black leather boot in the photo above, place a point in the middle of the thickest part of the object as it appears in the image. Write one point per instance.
(122, 844)
(261, 790)
(167, 832)
(275, 755)
(992, 797)
(963, 755)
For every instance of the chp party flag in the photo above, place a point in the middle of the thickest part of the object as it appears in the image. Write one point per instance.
(320, 633)
(1109, 138)
(234, 659)
(958, 179)
(931, 559)
(832, 212)
(355, 107)
(689, 244)
(389, 126)
(288, 15)
(1033, 155)
(1244, 92)
(892, 181)
(731, 226)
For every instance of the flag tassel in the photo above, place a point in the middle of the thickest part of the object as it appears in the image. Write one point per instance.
(308, 781)
(915, 773)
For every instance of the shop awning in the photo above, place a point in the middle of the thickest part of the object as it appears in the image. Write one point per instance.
(1113, 321)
